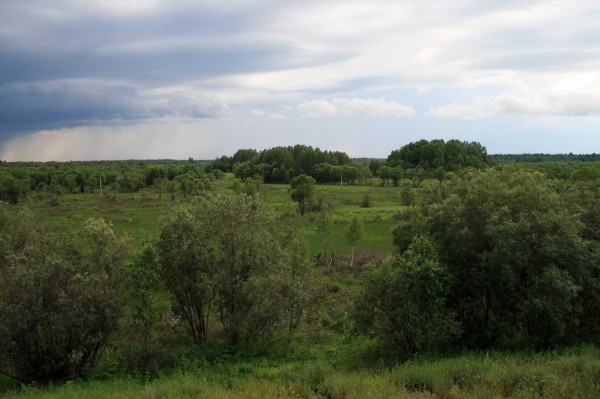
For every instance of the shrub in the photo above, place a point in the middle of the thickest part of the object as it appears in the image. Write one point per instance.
(58, 309)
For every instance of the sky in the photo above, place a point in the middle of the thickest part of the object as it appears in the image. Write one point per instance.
(152, 79)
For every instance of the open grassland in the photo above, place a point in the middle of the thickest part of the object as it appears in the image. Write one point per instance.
(137, 215)
(320, 374)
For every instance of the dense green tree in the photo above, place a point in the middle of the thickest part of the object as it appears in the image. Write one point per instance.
(147, 306)
(244, 155)
(223, 164)
(365, 174)
(449, 156)
(69, 181)
(56, 190)
(11, 189)
(187, 261)
(374, 165)
(57, 308)
(517, 257)
(303, 191)
(252, 185)
(384, 173)
(91, 183)
(351, 174)
(242, 170)
(586, 173)
(160, 184)
(254, 267)
(153, 172)
(403, 302)
(407, 192)
(228, 257)
(281, 164)
(396, 173)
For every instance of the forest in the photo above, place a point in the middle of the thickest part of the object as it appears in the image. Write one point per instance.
(440, 271)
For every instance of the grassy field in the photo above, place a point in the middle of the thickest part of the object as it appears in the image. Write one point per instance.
(137, 215)
(573, 373)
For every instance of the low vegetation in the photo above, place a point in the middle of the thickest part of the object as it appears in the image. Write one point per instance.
(434, 273)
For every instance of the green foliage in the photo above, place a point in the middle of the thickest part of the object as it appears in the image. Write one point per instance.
(101, 239)
(11, 189)
(148, 307)
(354, 233)
(58, 308)
(568, 374)
(188, 268)
(385, 173)
(407, 192)
(517, 257)
(513, 253)
(586, 173)
(303, 191)
(403, 302)
(229, 252)
(540, 158)
(324, 227)
(281, 164)
(449, 156)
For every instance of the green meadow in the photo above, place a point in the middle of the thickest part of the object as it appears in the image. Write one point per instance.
(137, 215)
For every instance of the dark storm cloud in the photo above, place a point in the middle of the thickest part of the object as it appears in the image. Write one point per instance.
(162, 48)
(168, 66)
(60, 61)
(138, 66)
(58, 104)
(58, 65)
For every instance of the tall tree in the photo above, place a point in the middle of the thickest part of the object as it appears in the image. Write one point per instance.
(230, 252)
(354, 233)
(303, 191)
(187, 260)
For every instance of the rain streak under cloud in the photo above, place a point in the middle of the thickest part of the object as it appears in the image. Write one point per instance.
(172, 79)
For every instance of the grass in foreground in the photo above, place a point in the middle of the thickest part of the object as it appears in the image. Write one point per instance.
(571, 373)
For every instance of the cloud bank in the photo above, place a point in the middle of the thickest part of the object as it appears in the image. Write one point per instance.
(392, 68)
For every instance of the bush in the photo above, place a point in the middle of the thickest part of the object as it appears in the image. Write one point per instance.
(57, 309)
(403, 302)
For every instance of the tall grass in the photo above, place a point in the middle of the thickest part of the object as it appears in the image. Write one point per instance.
(573, 373)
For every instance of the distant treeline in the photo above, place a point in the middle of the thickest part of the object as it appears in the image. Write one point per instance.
(17, 179)
(415, 162)
(545, 157)
(426, 158)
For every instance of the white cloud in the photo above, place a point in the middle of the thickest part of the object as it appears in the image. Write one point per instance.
(259, 113)
(513, 104)
(375, 107)
(317, 108)
(277, 117)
